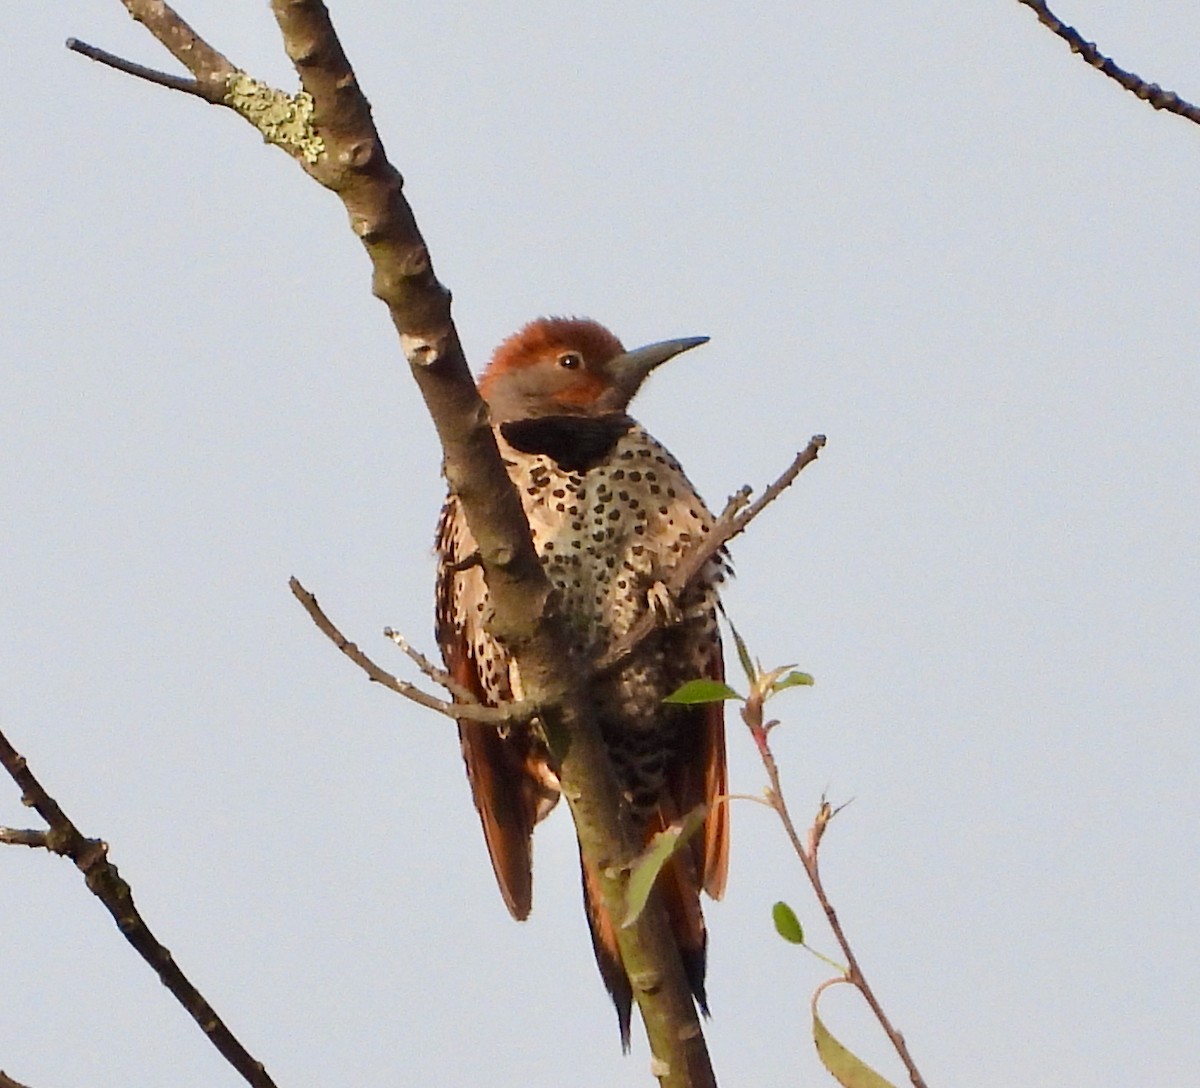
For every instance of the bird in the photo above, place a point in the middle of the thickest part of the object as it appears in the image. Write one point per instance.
(611, 513)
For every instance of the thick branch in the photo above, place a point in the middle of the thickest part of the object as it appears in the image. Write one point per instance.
(526, 619)
(351, 162)
(91, 857)
(1148, 92)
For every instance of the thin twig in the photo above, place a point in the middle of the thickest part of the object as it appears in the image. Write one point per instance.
(1148, 92)
(508, 714)
(438, 675)
(805, 457)
(101, 876)
(209, 91)
(733, 520)
(752, 715)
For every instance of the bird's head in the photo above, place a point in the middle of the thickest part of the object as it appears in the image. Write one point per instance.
(558, 366)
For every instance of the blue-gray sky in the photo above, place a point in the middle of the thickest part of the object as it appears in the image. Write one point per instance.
(927, 231)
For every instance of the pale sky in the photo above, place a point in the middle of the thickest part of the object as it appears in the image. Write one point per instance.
(925, 230)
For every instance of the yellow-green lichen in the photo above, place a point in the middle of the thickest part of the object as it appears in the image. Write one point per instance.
(282, 118)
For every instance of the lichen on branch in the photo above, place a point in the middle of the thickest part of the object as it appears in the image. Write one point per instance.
(283, 119)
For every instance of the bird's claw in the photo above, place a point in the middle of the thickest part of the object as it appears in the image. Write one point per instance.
(662, 606)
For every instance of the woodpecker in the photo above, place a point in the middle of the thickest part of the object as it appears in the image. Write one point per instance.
(611, 513)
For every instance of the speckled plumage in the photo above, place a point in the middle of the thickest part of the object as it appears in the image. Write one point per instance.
(611, 512)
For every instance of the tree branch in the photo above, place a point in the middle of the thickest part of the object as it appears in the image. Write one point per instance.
(472, 709)
(752, 715)
(1148, 92)
(437, 675)
(213, 92)
(91, 858)
(733, 520)
(343, 151)
(24, 836)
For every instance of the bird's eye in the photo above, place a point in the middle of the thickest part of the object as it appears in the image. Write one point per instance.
(570, 360)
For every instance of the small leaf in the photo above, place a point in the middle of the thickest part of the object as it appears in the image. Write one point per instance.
(650, 861)
(787, 925)
(793, 680)
(743, 654)
(847, 1069)
(701, 691)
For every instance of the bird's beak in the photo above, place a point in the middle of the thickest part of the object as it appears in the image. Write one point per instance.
(630, 369)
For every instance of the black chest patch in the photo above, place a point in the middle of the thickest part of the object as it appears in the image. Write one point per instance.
(574, 443)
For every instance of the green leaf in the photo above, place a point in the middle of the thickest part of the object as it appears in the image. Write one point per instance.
(701, 691)
(743, 654)
(793, 680)
(650, 861)
(787, 925)
(847, 1069)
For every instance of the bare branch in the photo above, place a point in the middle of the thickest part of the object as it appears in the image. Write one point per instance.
(752, 715)
(183, 43)
(1148, 92)
(20, 836)
(210, 92)
(473, 710)
(91, 858)
(733, 520)
(739, 522)
(437, 675)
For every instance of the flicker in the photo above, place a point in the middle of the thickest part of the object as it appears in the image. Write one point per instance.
(611, 513)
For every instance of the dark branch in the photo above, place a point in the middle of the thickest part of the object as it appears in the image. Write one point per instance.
(1148, 92)
(102, 878)
(22, 836)
(210, 92)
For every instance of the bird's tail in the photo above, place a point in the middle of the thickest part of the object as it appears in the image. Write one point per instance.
(679, 885)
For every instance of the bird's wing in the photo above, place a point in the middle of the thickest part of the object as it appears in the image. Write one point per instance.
(712, 849)
(698, 776)
(505, 772)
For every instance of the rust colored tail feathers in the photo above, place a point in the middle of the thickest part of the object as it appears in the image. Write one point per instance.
(610, 512)
(514, 787)
(702, 863)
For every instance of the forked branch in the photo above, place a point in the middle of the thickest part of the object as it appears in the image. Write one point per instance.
(469, 708)
(91, 858)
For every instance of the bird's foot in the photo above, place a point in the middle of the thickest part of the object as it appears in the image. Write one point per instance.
(662, 606)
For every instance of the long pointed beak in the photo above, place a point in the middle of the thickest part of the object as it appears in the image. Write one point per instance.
(630, 369)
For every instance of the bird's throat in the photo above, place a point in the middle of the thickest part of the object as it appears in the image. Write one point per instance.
(574, 443)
